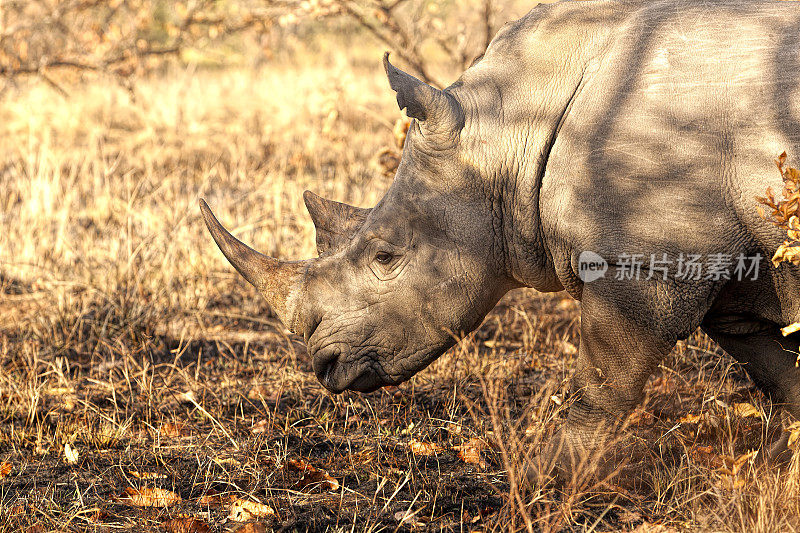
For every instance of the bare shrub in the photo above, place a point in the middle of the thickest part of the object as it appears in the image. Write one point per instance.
(120, 37)
(126, 38)
(460, 31)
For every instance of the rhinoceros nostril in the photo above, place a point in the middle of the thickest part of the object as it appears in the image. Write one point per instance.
(323, 362)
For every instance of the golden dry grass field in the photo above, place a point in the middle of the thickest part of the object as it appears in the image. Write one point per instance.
(144, 386)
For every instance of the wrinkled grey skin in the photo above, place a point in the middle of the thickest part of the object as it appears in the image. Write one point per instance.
(640, 127)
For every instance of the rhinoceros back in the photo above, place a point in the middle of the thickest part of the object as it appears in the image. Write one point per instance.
(673, 132)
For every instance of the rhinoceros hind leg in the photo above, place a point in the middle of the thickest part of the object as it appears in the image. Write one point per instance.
(770, 360)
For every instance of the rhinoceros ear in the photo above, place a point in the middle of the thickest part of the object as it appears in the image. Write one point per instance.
(437, 110)
(335, 222)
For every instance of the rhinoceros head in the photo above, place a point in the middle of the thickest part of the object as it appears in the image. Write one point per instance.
(396, 285)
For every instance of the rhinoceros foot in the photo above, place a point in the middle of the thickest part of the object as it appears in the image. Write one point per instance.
(588, 462)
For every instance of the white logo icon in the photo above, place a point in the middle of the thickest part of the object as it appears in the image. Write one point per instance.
(591, 266)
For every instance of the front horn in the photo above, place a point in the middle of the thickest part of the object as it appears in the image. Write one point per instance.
(280, 282)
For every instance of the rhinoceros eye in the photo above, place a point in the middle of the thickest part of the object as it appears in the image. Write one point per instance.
(383, 258)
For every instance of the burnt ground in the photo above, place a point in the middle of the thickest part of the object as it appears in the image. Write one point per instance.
(225, 408)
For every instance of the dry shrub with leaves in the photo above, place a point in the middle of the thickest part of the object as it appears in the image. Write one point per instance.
(785, 213)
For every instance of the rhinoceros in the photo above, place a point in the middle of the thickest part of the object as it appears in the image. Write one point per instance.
(612, 149)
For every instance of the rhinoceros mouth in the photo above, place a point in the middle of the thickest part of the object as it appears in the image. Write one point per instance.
(366, 380)
(338, 376)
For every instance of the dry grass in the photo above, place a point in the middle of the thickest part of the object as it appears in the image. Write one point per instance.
(126, 338)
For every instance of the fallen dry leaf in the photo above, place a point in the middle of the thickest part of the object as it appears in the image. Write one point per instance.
(5, 469)
(59, 391)
(227, 461)
(407, 518)
(729, 474)
(146, 475)
(720, 403)
(395, 391)
(466, 518)
(733, 482)
(732, 465)
(664, 384)
(567, 347)
(244, 510)
(745, 409)
(629, 517)
(262, 392)
(794, 433)
(470, 452)
(426, 449)
(260, 427)
(454, 429)
(148, 497)
(312, 476)
(95, 514)
(173, 430)
(70, 454)
(726, 468)
(185, 525)
(640, 418)
(690, 419)
(647, 527)
(705, 456)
